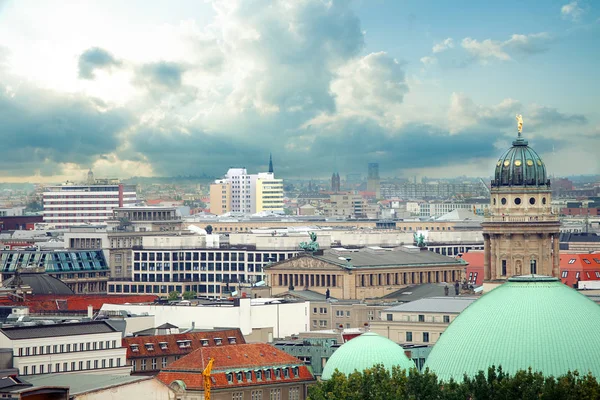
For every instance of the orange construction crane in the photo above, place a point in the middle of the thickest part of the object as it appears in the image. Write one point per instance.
(207, 381)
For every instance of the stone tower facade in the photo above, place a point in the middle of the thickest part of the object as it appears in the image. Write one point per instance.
(521, 234)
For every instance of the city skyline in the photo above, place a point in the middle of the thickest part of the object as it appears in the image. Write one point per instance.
(142, 89)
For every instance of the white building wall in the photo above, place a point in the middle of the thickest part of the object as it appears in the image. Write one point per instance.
(285, 318)
(114, 352)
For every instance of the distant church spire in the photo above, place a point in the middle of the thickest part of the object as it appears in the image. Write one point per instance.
(270, 162)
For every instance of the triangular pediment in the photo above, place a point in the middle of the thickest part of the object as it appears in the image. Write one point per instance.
(305, 263)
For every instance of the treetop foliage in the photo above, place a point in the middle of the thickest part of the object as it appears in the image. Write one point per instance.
(378, 383)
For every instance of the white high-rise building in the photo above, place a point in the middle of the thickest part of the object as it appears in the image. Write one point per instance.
(241, 190)
(71, 204)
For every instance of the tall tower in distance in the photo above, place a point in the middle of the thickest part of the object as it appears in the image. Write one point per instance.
(521, 234)
(373, 184)
(270, 163)
(335, 182)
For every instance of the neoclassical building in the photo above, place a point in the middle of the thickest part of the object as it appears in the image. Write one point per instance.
(521, 234)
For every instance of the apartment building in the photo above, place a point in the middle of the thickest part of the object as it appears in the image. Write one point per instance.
(150, 354)
(83, 271)
(70, 204)
(212, 272)
(422, 321)
(83, 347)
(220, 197)
(246, 193)
(269, 193)
(246, 371)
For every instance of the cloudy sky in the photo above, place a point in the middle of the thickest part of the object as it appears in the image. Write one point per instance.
(163, 88)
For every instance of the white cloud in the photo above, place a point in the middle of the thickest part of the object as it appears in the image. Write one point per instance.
(571, 11)
(464, 113)
(443, 45)
(485, 50)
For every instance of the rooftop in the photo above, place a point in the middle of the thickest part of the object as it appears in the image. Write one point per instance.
(65, 329)
(451, 305)
(367, 257)
(173, 344)
(233, 359)
(84, 383)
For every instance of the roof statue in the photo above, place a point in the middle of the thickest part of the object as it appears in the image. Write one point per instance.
(312, 245)
(519, 123)
(420, 240)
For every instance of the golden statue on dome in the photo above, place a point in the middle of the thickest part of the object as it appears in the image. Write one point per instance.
(520, 123)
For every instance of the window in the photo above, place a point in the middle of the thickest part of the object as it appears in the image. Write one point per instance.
(421, 318)
(218, 341)
(103, 363)
(33, 371)
(95, 364)
(597, 274)
(154, 363)
(25, 370)
(585, 260)
(237, 396)
(275, 394)
(268, 374)
(347, 313)
(80, 365)
(110, 362)
(294, 393)
(323, 310)
(150, 346)
(143, 364)
(229, 377)
(572, 261)
(88, 364)
(256, 395)
(41, 369)
(446, 319)
(577, 275)
(249, 376)
(277, 373)
(258, 375)
(231, 340)
(239, 376)
(564, 274)
(114, 344)
(72, 366)
(164, 362)
(409, 336)
(503, 267)
(286, 373)
(390, 317)
(425, 337)
(135, 348)
(57, 367)
(517, 200)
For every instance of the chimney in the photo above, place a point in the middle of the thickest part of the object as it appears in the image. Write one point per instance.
(90, 312)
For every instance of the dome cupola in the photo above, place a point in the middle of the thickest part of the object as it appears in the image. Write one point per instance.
(520, 165)
(530, 321)
(365, 351)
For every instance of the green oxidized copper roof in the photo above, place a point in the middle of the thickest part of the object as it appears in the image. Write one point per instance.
(520, 166)
(530, 321)
(364, 352)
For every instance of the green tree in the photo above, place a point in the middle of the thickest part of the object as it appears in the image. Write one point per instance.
(378, 383)
(189, 295)
(209, 229)
(174, 295)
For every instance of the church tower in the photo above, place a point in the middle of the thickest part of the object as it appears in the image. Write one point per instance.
(521, 234)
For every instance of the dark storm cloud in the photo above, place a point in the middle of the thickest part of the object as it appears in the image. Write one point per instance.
(40, 130)
(162, 73)
(95, 58)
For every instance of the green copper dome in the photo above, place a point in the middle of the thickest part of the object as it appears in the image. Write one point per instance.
(520, 166)
(530, 321)
(364, 352)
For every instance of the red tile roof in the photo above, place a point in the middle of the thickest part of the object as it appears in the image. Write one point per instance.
(232, 359)
(172, 345)
(75, 302)
(475, 265)
(583, 267)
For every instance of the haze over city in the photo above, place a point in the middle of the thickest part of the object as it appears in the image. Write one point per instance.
(144, 88)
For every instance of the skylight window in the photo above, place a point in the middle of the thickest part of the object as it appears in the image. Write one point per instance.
(572, 261)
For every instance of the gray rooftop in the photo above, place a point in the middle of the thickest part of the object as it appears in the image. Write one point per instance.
(309, 295)
(84, 383)
(365, 258)
(65, 329)
(416, 292)
(442, 304)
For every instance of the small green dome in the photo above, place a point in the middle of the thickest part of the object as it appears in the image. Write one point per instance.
(530, 321)
(364, 352)
(520, 166)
